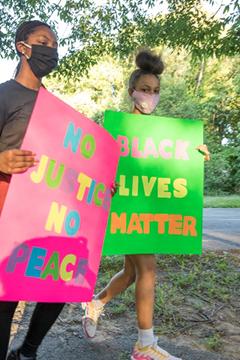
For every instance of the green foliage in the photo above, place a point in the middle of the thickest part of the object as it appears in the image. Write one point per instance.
(218, 179)
(119, 27)
(236, 169)
(214, 342)
(230, 201)
(215, 100)
(14, 12)
(102, 88)
(191, 292)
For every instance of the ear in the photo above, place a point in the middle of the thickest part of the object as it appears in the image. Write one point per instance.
(21, 48)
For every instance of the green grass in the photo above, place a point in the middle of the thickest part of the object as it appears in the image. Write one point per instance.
(192, 285)
(213, 342)
(227, 201)
(192, 294)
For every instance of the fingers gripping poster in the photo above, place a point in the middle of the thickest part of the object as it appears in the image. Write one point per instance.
(54, 219)
(158, 208)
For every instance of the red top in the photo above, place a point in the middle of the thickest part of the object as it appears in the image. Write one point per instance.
(4, 184)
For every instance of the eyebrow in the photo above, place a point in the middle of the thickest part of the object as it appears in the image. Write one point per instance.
(157, 87)
(46, 37)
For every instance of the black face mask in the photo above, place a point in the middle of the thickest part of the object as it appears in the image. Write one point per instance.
(43, 60)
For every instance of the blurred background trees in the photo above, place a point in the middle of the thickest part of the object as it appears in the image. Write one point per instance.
(99, 40)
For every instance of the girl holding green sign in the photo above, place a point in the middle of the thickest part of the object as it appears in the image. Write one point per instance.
(144, 88)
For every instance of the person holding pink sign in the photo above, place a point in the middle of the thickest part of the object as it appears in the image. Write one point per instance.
(144, 88)
(36, 45)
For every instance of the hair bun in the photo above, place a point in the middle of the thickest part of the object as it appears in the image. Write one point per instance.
(149, 62)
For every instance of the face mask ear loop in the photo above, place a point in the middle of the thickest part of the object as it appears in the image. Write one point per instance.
(28, 46)
(25, 44)
(26, 56)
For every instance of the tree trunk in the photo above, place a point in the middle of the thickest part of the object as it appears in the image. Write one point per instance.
(200, 74)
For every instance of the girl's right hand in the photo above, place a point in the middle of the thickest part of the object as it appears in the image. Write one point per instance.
(114, 188)
(16, 161)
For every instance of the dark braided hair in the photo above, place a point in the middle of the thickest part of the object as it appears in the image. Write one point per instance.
(23, 31)
(26, 29)
(147, 63)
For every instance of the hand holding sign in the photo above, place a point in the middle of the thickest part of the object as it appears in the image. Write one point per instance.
(16, 161)
(203, 149)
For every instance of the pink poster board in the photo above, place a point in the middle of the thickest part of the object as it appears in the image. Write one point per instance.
(54, 219)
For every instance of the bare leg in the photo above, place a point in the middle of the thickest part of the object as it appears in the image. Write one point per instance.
(145, 266)
(119, 282)
(139, 268)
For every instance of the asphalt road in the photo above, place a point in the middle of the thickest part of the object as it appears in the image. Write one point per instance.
(114, 341)
(221, 229)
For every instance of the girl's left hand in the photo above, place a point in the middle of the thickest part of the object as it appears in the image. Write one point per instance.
(203, 149)
(114, 188)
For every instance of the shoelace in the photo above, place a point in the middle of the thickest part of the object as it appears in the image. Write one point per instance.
(156, 350)
(159, 352)
(94, 312)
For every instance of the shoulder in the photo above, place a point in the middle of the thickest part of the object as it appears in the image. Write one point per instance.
(13, 94)
(6, 87)
(7, 84)
(7, 94)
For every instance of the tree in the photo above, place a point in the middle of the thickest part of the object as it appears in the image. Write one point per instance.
(102, 88)
(118, 27)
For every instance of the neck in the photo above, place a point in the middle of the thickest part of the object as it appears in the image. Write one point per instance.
(136, 111)
(27, 78)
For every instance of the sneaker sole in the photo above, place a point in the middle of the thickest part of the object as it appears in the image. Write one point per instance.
(83, 324)
(85, 331)
(83, 305)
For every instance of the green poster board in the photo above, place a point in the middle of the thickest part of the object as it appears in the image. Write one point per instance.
(158, 208)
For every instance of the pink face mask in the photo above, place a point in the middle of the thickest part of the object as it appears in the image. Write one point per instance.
(146, 103)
